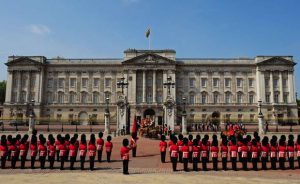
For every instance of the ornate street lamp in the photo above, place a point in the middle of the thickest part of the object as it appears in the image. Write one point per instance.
(169, 84)
(107, 102)
(76, 123)
(184, 104)
(121, 84)
(48, 128)
(259, 105)
(106, 117)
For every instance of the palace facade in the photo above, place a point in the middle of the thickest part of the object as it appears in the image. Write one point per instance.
(76, 89)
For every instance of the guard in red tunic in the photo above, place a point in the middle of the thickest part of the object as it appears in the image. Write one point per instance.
(180, 144)
(51, 152)
(170, 143)
(273, 153)
(265, 149)
(125, 155)
(100, 144)
(233, 153)
(249, 143)
(42, 152)
(3, 151)
(23, 152)
(57, 143)
(204, 154)
(214, 153)
(239, 145)
(62, 152)
(92, 151)
(18, 142)
(254, 154)
(8, 143)
(190, 144)
(297, 148)
(108, 147)
(33, 150)
(67, 143)
(224, 153)
(282, 154)
(185, 154)
(196, 153)
(133, 143)
(76, 144)
(13, 153)
(72, 152)
(291, 151)
(163, 148)
(174, 153)
(244, 154)
(82, 150)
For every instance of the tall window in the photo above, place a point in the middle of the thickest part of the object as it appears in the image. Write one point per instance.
(95, 97)
(285, 98)
(84, 82)
(73, 82)
(50, 83)
(251, 83)
(72, 97)
(284, 82)
(227, 82)
(84, 97)
(216, 97)
(61, 83)
(203, 82)
(60, 97)
(239, 98)
(159, 97)
(107, 82)
(268, 98)
(14, 97)
(96, 82)
(251, 98)
(192, 98)
(23, 96)
(227, 97)
(204, 97)
(192, 82)
(49, 97)
(239, 82)
(215, 82)
(275, 83)
(276, 97)
(32, 82)
(267, 82)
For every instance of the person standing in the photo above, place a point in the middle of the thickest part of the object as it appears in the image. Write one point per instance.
(51, 152)
(297, 147)
(57, 143)
(125, 155)
(224, 153)
(163, 148)
(244, 151)
(42, 152)
(273, 153)
(174, 153)
(72, 152)
(190, 144)
(100, 144)
(185, 154)
(214, 153)
(92, 151)
(62, 153)
(180, 144)
(8, 143)
(264, 153)
(67, 143)
(3, 151)
(196, 153)
(204, 154)
(254, 154)
(291, 151)
(282, 153)
(33, 150)
(108, 147)
(170, 143)
(133, 143)
(82, 151)
(239, 145)
(233, 153)
(13, 153)
(23, 152)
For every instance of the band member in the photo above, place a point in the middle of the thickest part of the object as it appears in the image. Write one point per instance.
(249, 144)
(133, 143)
(3, 151)
(8, 143)
(170, 143)
(185, 154)
(57, 143)
(254, 154)
(82, 151)
(23, 152)
(273, 153)
(42, 152)
(282, 153)
(180, 144)
(264, 153)
(204, 154)
(67, 144)
(196, 153)
(100, 144)
(33, 150)
(108, 147)
(214, 153)
(239, 145)
(13, 153)
(224, 153)
(72, 152)
(174, 153)
(290, 151)
(208, 145)
(190, 144)
(244, 155)
(51, 152)
(297, 147)
(163, 148)
(92, 151)
(233, 153)
(50, 136)
(76, 144)
(18, 142)
(62, 153)
(125, 155)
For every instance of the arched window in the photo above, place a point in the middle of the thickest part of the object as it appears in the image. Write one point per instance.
(95, 97)
(239, 98)
(216, 97)
(227, 97)
(60, 97)
(49, 97)
(72, 97)
(203, 97)
(251, 98)
(84, 97)
(191, 98)
(23, 96)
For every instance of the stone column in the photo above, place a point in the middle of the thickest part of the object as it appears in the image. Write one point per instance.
(262, 87)
(144, 86)
(154, 87)
(271, 88)
(107, 123)
(261, 130)
(291, 87)
(184, 124)
(31, 124)
(280, 87)
(19, 86)
(9, 87)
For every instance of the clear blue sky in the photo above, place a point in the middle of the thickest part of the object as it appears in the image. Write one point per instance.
(194, 28)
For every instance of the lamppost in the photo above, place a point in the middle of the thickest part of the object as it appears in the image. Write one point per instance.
(276, 122)
(31, 116)
(122, 110)
(90, 122)
(169, 84)
(106, 117)
(121, 84)
(183, 120)
(76, 122)
(48, 128)
(260, 119)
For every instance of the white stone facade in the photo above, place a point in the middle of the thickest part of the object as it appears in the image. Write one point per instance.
(75, 89)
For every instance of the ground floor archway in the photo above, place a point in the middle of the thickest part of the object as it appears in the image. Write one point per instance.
(83, 118)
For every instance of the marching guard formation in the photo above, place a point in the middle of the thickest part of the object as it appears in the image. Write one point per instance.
(234, 149)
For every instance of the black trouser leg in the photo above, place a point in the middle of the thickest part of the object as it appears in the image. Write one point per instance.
(51, 160)
(3, 161)
(82, 160)
(281, 163)
(240, 156)
(245, 160)
(180, 156)
(224, 163)
(264, 163)
(125, 166)
(174, 163)
(62, 162)
(273, 163)
(67, 157)
(99, 155)
(57, 155)
(163, 157)
(13, 162)
(249, 156)
(72, 161)
(92, 159)
(23, 159)
(42, 161)
(254, 164)
(108, 156)
(291, 163)
(298, 158)
(233, 163)
(185, 164)
(191, 157)
(134, 152)
(8, 155)
(204, 163)
(195, 164)
(215, 163)
(32, 162)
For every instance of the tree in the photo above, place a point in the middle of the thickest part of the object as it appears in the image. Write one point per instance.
(2, 91)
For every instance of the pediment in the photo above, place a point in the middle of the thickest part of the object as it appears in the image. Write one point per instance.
(276, 61)
(149, 59)
(23, 61)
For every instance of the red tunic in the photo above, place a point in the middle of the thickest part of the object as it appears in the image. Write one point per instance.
(190, 144)
(92, 150)
(57, 143)
(162, 146)
(204, 150)
(290, 151)
(224, 151)
(3, 150)
(233, 151)
(23, 150)
(133, 143)
(254, 150)
(185, 151)
(14, 150)
(244, 150)
(281, 151)
(124, 152)
(42, 150)
(100, 144)
(67, 144)
(51, 150)
(82, 149)
(239, 145)
(179, 144)
(297, 147)
(214, 151)
(264, 151)
(33, 150)
(196, 152)
(108, 146)
(62, 150)
(174, 151)
(72, 152)
(170, 143)
(273, 151)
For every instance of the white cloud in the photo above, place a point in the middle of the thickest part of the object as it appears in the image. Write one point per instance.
(39, 29)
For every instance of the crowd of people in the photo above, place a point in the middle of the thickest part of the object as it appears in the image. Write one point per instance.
(242, 149)
(61, 149)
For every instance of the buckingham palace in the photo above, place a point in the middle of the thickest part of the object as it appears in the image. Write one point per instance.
(151, 83)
